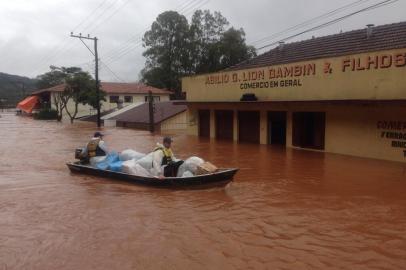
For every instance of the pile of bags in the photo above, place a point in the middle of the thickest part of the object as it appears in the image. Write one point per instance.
(136, 163)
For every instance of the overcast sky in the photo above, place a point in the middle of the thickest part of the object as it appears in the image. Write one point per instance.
(34, 34)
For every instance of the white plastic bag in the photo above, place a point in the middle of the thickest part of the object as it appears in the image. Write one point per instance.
(187, 174)
(130, 154)
(141, 171)
(146, 162)
(190, 164)
(128, 166)
(131, 167)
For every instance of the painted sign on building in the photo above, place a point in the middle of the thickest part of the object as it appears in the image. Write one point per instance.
(364, 76)
(395, 133)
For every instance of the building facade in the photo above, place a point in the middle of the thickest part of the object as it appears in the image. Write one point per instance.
(117, 95)
(343, 93)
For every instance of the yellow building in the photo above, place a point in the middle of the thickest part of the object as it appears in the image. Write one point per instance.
(343, 93)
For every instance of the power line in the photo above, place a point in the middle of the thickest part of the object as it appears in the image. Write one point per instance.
(90, 50)
(375, 6)
(100, 16)
(130, 47)
(109, 17)
(193, 9)
(308, 22)
(128, 44)
(111, 71)
(188, 5)
(63, 47)
(89, 16)
(180, 6)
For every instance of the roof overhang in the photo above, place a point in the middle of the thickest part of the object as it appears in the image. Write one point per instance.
(315, 102)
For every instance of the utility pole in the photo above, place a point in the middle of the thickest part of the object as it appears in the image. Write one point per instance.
(151, 112)
(96, 72)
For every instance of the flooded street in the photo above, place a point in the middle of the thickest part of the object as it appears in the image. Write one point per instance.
(286, 209)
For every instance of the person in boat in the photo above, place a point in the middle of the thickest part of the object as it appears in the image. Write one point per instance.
(164, 163)
(96, 148)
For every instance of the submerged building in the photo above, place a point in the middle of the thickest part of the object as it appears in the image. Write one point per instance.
(343, 93)
(116, 95)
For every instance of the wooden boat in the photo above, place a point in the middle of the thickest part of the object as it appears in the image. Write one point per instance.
(220, 178)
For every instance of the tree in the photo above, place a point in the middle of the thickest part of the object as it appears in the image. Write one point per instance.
(175, 49)
(233, 49)
(206, 31)
(79, 88)
(52, 78)
(166, 51)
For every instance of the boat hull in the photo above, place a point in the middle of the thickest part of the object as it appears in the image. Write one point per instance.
(220, 178)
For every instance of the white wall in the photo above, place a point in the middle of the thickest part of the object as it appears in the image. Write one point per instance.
(84, 110)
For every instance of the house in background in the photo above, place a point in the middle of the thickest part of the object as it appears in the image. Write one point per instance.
(117, 94)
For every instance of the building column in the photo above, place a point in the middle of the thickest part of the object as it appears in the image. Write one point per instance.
(289, 128)
(192, 121)
(263, 125)
(235, 125)
(212, 124)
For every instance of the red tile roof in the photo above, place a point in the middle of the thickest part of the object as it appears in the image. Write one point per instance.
(384, 37)
(115, 88)
(140, 114)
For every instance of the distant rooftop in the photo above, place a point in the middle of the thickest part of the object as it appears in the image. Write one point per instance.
(383, 37)
(115, 88)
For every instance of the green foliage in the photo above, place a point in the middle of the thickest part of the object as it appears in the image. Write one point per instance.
(175, 48)
(56, 76)
(166, 45)
(46, 114)
(82, 88)
(232, 48)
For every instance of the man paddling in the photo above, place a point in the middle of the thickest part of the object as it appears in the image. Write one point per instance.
(164, 163)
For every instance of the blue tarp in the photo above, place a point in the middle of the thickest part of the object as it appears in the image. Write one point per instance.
(110, 162)
(116, 166)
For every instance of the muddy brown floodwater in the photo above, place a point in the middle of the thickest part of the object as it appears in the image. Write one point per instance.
(286, 209)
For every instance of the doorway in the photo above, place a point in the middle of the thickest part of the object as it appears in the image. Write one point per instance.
(204, 123)
(224, 124)
(309, 129)
(277, 128)
(248, 126)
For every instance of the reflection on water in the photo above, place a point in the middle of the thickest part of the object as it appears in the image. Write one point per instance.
(285, 210)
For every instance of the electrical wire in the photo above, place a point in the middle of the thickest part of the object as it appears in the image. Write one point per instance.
(100, 16)
(112, 72)
(84, 43)
(129, 48)
(313, 20)
(129, 45)
(89, 16)
(109, 17)
(66, 45)
(375, 6)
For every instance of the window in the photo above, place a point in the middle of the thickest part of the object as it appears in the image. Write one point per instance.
(114, 99)
(155, 98)
(128, 99)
